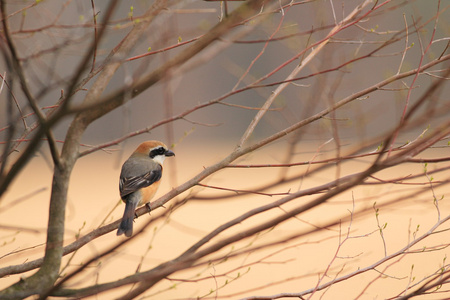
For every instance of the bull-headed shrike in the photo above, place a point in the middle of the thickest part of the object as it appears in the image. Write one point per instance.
(139, 180)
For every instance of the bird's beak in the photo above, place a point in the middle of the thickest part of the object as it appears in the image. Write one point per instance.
(169, 153)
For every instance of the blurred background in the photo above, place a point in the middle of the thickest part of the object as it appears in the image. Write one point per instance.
(370, 222)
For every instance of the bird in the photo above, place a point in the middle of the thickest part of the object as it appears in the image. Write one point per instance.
(139, 180)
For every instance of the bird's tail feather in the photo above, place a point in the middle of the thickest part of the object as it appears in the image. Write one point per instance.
(126, 226)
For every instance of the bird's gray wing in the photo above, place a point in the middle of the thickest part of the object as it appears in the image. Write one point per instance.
(131, 184)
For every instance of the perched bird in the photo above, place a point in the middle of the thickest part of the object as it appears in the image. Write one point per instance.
(140, 179)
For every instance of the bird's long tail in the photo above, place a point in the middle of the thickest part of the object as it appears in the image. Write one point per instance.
(126, 226)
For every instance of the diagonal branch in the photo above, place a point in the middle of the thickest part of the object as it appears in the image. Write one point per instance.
(318, 47)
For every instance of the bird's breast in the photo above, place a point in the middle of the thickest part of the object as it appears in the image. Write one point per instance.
(147, 193)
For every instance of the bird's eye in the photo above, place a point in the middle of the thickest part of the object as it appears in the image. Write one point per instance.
(157, 151)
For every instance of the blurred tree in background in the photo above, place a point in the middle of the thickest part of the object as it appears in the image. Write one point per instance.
(311, 139)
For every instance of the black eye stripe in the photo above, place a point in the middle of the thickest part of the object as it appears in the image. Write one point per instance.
(157, 151)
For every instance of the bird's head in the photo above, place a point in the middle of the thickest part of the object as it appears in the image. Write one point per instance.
(156, 150)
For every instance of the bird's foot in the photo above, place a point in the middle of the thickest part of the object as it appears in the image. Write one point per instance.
(149, 208)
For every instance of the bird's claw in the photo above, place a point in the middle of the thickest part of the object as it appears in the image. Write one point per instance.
(149, 208)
